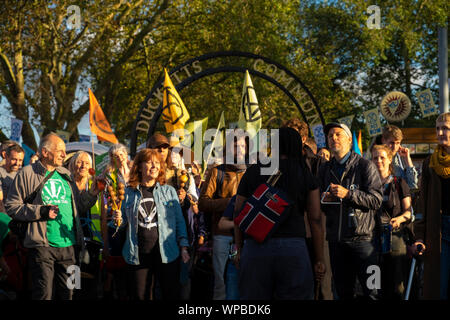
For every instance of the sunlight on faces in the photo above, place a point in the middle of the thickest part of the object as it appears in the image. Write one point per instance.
(443, 133)
(150, 169)
(14, 161)
(239, 150)
(163, 152)
(381, 159)
(82, 166)
(324, 154)
(392, 143)
(56, 153)
(339, 141)
(120, 157)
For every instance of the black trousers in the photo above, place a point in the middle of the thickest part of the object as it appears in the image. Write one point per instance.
(48, 268)
(350, 260)
(167, 275)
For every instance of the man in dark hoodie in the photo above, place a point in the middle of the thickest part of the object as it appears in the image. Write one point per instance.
(351, 193)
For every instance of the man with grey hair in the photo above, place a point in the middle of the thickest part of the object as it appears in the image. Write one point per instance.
(44, 198)
(352, 192)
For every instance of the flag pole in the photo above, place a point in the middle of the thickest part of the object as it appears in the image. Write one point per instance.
(93, 154)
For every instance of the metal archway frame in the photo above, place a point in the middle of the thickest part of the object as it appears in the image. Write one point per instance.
(215, 70)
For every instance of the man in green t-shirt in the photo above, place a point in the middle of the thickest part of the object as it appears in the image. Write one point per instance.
(54, 228)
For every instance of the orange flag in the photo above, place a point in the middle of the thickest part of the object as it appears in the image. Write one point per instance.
(360, 142)
(98, 122)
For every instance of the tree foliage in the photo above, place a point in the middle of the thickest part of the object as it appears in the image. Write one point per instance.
(122, 47)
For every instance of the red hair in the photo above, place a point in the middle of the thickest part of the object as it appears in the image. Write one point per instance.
(145, 155)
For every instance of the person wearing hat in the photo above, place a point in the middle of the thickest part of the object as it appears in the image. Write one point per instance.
(351, 193)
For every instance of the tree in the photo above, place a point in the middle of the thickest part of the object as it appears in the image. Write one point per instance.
(44, 63)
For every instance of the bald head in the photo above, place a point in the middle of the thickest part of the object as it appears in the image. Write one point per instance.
(52, 150)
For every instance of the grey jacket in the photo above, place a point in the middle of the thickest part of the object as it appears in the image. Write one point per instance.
(24, 184)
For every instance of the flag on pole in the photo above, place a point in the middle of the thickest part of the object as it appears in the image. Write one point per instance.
(360, 142)
(196, 131)
(217, 143)
(192, 126)
(355, 146)
(249, 115)
(98, 122)
(174, 112)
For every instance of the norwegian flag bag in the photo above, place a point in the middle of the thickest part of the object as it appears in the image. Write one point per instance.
(264, 211)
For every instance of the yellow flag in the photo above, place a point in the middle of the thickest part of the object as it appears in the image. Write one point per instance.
(98, 122)
(249, 115)
(174, 113)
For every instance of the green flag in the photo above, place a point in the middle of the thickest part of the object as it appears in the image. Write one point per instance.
(196, 131)
(218, 142)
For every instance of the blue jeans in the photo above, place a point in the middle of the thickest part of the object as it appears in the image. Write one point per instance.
(445, 257)
(279, 269)
(232, 281)
(350, 260)
(221, 249)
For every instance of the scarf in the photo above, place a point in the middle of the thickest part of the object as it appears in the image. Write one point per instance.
(440, 162)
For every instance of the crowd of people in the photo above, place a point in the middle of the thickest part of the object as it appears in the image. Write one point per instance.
(157, 227)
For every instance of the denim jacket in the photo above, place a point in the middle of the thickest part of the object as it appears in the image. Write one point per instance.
(171, 225)
(409, 174)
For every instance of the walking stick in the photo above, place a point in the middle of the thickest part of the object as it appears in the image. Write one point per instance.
(317, 290)
(411, 273)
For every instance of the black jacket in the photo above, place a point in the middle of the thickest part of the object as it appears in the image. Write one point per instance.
(361, 177)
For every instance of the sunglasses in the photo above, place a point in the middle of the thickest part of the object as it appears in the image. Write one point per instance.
(160, 148)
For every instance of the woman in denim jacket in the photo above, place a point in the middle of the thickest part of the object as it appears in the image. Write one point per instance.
(156, 230)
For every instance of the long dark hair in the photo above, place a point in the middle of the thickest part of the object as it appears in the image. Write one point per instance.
(293, 166)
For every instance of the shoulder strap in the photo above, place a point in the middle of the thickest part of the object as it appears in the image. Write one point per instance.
(32, 196)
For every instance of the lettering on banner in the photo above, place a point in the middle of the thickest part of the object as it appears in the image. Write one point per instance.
(426, 103)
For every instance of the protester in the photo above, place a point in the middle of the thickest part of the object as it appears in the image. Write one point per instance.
(404, 168)
(352, 187)
(313, 161)
(117, 172)
(5, 145)
(432, 224)
(156, 231)
(14, 155)
(394, 217)
(219, 187)
(171, 153)
(311, 144)
(79, 166)
(44, 195)
(324, 153)
(280, 267)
